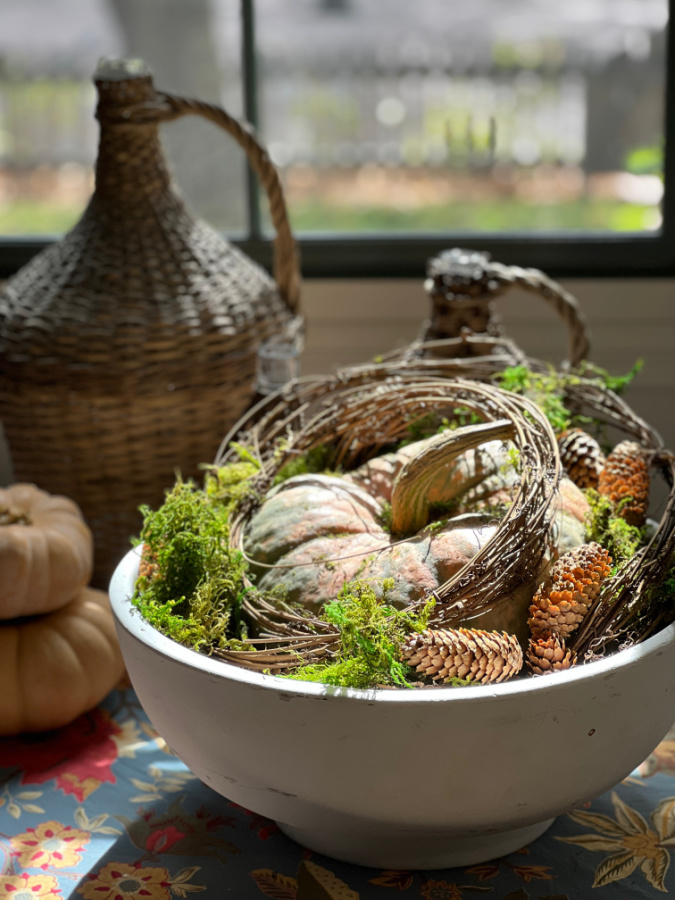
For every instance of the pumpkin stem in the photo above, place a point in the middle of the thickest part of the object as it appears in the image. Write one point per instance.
(10, 516)
(412, 495)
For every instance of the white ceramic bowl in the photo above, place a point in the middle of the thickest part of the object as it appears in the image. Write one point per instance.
(404, 779)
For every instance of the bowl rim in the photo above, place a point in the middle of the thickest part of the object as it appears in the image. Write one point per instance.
(130, 619)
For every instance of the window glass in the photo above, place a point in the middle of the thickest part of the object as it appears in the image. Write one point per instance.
(49, 50)
(485, 116)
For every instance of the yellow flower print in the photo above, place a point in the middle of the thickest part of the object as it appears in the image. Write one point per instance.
(28, 887)
(441, 890)
(50, 844)
(120, 881)
(630, 841)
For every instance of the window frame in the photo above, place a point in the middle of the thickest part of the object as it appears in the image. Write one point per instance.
(404, 255)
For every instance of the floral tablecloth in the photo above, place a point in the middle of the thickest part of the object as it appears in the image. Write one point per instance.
(102, 810)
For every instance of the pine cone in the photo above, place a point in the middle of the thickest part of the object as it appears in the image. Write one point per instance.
(560, 604)
(481, 656)
(546, 655)
(581, 457)
(626, 475)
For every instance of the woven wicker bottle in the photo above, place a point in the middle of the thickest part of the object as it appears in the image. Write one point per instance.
(128, 348)
(463, 286)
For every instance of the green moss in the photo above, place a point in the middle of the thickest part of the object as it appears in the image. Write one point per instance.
(660, 597)
(436, 526)
(546, 390)
(462, 416)
(444, 511)
(372, 634)
(605, 526)
(386, 516)
(228, 485)
(460, 682)
(615, 383)
(655, 607)
(316, 460)
(512, 462)
(196, 594)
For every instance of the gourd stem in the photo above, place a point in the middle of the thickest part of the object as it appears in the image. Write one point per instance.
(410, 499)
(13, 517)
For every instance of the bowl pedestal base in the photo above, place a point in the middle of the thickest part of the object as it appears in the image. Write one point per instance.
(401, 849)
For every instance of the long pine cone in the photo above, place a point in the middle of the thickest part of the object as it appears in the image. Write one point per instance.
(479, 656)
(546, 655)
(561, 602)
(581, 457)
(626, 477)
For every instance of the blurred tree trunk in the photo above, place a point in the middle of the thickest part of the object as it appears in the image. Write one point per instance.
(176, 39)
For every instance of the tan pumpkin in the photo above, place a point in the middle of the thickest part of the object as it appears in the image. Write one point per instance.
(314, 533)
(46, 551)
(56, 666)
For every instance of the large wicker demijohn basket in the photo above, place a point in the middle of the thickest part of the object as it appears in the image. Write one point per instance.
(129, 347)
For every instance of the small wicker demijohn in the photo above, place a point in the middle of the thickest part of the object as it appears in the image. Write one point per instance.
(129, 347)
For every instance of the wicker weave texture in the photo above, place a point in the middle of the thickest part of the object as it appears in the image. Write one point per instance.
(129, 347)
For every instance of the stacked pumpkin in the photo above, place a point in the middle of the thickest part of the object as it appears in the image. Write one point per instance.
(59, 654)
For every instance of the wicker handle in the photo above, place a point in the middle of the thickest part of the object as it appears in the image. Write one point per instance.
(562, 301)
(167, 107)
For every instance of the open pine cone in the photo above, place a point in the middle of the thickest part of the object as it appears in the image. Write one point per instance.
(560, 604)
(470, 654)
(626, 477)
(581, 456)
(545, 655)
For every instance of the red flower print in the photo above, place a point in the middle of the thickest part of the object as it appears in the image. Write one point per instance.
(264, 826)
(79, 756)
(176, 832)
(214, 821)
(159, 841)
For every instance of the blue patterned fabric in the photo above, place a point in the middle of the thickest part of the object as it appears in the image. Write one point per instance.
(102, 810)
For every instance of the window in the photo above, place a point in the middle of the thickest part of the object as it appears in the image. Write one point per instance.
(534, 130)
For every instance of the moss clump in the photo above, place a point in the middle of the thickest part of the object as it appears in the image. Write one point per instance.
(372, 634)
(546, 390)
(193, 590)
(605, 526)
(659, 603)
(615, 383)
(316, 460)
(386, 516)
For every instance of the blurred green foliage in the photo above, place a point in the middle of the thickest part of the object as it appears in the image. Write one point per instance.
(34, 217)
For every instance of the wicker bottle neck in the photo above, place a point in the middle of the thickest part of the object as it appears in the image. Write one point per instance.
(131, 168)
